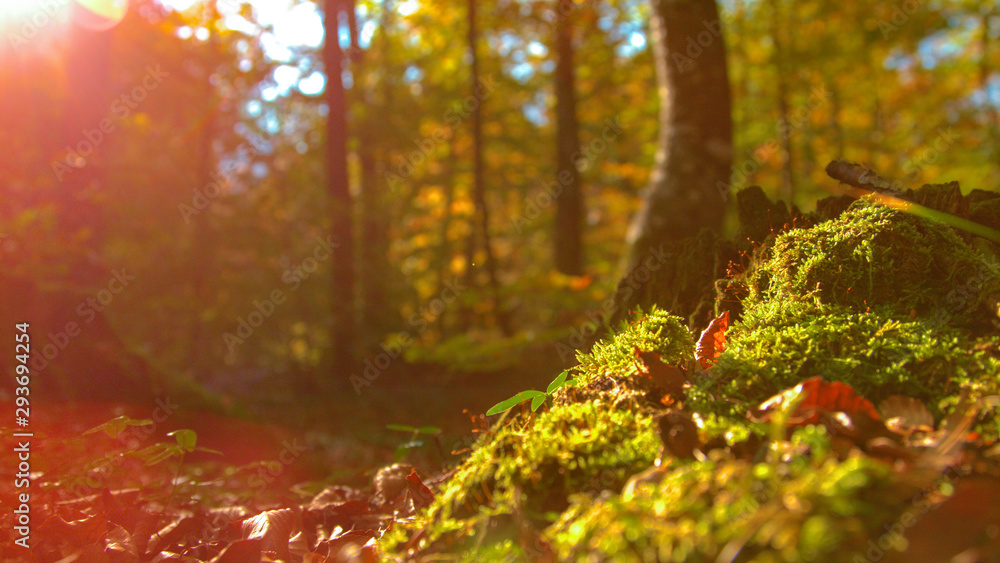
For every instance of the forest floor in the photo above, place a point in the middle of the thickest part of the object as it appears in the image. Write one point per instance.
(656, 445)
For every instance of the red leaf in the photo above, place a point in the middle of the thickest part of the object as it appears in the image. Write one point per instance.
(421, 495)
(821, 396)
(712, 341)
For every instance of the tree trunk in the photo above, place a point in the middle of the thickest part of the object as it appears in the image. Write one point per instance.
(690, 180)
(343, 328)
(202, 257)
(89, 79)
(569, 204)
(479, 185)
(784, 128)
(376, 317)
(985, 74)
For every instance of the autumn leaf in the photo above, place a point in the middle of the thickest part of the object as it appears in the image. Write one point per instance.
(816, 396)
(712, 341)
(273, 528)
(421, 495)
(905, 414)
(579, 283)
(665, 376)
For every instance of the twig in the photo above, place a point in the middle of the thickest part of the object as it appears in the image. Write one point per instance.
(856, 175)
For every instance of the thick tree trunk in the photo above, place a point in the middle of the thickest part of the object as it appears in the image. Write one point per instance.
(569, 205)
(343, 328)
(690, 180)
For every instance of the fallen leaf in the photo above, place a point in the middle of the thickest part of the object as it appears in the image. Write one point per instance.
(712, 341)
(421, 495)
(240, 551)
(273, 528)
(665, 376)
(817, 396)
(906, 413)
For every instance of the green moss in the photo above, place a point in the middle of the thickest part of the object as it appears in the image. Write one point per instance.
(874, 257)
(885, 301)
(530, 468)
(811, 508)
(657, 331)
(777, 345)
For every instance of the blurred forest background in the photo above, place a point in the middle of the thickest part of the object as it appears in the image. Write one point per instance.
(175, 170)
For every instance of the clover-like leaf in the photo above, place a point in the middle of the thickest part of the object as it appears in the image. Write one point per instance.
(558, 382)
(538, 401)
(114, 427)
(514, 401)
(186, 439)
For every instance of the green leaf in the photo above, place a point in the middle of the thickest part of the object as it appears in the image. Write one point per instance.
(513, 401)
(414, 429)
(537, 402)
(158, 452)
(186, 439)
(558, 382)
(114, 427)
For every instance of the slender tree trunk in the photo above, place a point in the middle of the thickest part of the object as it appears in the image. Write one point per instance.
(376, 319)
(690, 179)
(784, 128)
(479, 185)
(984, 83)
(343, 328)
(741, 91)
(838, 129)
(569, 204)
(444, 245)
(88, 79)
(201, 253)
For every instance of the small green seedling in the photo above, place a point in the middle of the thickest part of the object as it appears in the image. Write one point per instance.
(186, 441)
(414, 443)
(114, 427)
(536, 397)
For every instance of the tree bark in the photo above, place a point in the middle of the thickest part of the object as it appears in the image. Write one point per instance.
(201, 254)
(569, 205)
(784, 129)
(690, 180)
(343, 327)
(89, 79)
(376, 318)
(479, 185)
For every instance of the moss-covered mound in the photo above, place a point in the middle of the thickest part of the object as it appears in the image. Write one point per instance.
(887, 302)
(874, 257)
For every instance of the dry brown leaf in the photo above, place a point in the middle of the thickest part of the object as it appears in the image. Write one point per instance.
(712, 341)
(906, 413)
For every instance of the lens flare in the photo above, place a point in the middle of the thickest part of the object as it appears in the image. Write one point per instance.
(99, 15)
